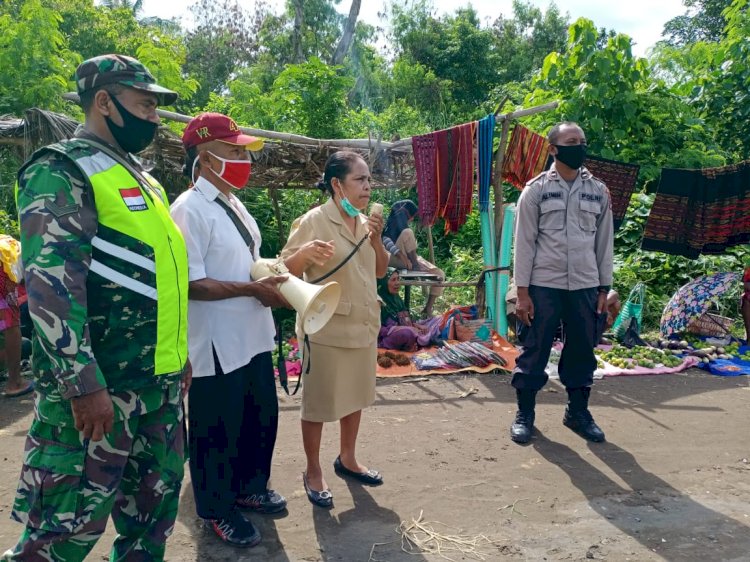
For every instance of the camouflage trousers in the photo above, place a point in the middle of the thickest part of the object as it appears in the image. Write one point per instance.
(69, 487)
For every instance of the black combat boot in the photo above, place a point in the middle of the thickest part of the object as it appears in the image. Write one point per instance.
(577, 415)
(523, 425)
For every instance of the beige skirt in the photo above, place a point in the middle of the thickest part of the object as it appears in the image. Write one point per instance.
(341, 381)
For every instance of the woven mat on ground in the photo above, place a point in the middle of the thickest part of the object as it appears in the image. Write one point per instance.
(502, 347)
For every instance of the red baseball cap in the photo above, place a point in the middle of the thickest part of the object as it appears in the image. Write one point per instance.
(217, 127)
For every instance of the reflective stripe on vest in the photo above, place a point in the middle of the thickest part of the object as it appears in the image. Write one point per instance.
(140, 212)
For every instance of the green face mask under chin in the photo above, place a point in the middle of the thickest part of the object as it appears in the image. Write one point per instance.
(349, 209)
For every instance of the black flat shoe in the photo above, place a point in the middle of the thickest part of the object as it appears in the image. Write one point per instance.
(321, 499)
(370, 478)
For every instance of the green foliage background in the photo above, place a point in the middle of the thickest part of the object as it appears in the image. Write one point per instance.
(685, 105)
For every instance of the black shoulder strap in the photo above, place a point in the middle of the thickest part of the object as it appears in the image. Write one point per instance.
(241, 228)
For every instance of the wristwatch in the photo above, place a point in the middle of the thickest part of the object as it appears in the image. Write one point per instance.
(603, 288)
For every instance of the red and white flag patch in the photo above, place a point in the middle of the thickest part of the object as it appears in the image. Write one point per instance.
(133, 199)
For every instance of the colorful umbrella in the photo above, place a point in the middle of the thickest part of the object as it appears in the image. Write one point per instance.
(693, 300)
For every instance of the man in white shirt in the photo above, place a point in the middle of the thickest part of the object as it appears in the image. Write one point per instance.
(233, 408)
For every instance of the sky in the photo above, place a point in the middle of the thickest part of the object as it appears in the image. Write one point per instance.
(642, 20)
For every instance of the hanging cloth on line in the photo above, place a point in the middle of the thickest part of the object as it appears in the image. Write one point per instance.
(620, 178)
(425, 160)
(485, 134)
(700, 211)
(457, 205)
(525, 158)
(444, 162)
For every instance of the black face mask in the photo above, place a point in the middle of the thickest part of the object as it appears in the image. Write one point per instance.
(572, 156)
(135, 133)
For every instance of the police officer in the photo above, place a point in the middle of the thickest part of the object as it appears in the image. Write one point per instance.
(563, 270)
(107, 273)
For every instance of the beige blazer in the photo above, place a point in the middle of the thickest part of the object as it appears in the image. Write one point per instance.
(357, 319)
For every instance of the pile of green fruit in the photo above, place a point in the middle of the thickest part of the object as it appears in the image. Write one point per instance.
(648, 357)
(733, 348)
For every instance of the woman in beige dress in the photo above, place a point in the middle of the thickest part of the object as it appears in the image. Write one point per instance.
(343, 354)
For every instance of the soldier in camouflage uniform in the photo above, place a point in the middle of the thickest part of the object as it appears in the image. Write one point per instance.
(109, 358)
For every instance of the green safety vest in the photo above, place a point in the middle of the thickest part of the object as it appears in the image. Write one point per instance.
(138, 254)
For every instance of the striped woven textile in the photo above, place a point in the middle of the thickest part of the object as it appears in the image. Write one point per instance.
(445, 162)
(485, 134)
(425, 161)
(525, 157)
(700, 211)
(620, 178)
(462, 149)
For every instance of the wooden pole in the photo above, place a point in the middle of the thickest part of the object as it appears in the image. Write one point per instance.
(285, 137)
(277, 213)
(529, 111)
(429, 244)
(403, 145)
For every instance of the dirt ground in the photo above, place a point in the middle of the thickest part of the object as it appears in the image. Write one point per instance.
(672, 482)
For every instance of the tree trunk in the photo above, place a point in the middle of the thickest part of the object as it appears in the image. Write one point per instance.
(346, 38)
(297, 53)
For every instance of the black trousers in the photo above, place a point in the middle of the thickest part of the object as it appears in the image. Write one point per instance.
(583, 328)
(233, 419)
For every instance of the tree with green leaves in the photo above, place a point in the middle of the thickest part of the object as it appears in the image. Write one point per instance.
(627, 113)
(133, 6)
(525, 38)
(704, 21)
(442, 47)
(32, 45)
(224, 41)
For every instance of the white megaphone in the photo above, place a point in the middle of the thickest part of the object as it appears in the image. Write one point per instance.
(315, 304)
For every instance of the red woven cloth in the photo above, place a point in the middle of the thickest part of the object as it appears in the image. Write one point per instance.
(620, 178)
(444, 162)
(525, 158)
(425, 160)
(700, 211)
(457, 205)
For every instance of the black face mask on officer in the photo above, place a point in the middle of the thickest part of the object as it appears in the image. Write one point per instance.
(135, 133)
(571, 155)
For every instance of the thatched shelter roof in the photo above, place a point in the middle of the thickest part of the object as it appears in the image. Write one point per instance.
(279, 165)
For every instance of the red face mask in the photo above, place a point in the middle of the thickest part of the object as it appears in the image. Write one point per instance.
(235, 172)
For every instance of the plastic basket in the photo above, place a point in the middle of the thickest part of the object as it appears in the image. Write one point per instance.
(633, 308)
(710, 325)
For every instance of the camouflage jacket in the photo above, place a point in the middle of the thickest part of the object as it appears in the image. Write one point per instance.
(58, 221)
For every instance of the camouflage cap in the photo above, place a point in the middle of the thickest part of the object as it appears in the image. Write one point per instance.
(120, 69)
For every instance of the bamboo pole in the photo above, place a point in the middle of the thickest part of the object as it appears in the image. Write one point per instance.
(401, 145)
(500, 118)
(367, 144)
(529, 111)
